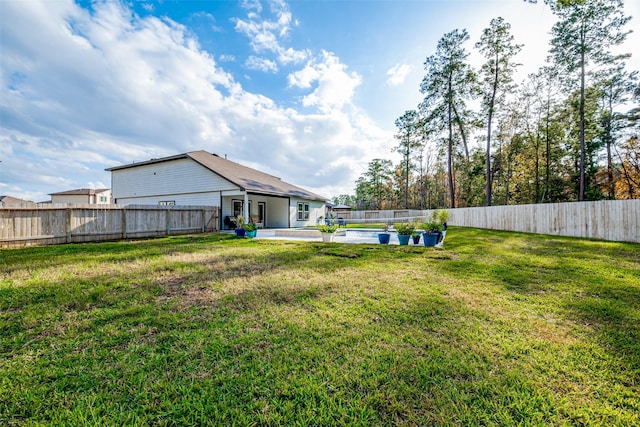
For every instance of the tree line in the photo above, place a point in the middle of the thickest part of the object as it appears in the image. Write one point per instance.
(568, 132)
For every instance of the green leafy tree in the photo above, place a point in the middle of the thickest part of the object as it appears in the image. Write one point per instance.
(582, 117)
(447, 84)
(496, 78)
(616, 88)
(628, 185)
(377, 177)
(345, 199)
(538, 98)
(581, 39)
(363, 194)
(410, 142)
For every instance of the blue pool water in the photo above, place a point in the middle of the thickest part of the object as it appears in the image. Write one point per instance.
(369, 236)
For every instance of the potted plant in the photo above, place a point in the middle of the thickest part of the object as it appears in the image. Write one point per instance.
(442, 216)
(405, 230)
(251, 229)
(328, 231)
(431, 233)
(240, 231)
(384, 237)
(416, 237)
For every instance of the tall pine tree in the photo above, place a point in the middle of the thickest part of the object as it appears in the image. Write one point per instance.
(447, 84)
(497, 46)
(581, 39)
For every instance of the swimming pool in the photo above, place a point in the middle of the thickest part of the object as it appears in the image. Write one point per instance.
(349, 235)
(368, 236)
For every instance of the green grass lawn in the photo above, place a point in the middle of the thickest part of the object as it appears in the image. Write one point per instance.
(497, 328)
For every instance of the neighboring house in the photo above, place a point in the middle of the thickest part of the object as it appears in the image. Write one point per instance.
(202, 178)
(8, 201)
(339, 211)
(83, 196)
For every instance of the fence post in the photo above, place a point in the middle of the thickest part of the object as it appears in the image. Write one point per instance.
(124, 222)
(68, 221)
(204, 216)
(168, 221)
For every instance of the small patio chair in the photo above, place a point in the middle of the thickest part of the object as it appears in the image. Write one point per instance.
(256, 220)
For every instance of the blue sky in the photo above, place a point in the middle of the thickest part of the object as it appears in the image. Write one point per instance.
(305, 90)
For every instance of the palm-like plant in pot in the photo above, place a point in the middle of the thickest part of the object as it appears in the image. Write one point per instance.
(240, 231)
(327, 229)
(431, 233)
(442, 217)
(251, 229)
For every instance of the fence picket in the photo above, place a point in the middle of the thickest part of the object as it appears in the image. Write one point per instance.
(54, 224)
(616, 220)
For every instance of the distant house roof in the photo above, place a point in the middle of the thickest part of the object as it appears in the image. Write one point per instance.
(14, 201)
(248, 179)
(334, 206)
(80, 192)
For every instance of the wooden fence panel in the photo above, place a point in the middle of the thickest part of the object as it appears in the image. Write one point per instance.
(616, 220)
(54, 224)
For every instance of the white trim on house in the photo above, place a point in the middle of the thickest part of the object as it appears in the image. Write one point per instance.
(201, 178)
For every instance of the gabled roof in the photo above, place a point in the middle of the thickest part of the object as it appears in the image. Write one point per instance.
(80, 192)
(14, 201)
(248, 179)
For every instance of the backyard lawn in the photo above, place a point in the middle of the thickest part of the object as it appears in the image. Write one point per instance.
(497, 328)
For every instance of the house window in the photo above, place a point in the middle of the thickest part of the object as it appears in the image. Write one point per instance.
(303, 211)
(237, 208)
(167, 203)
(103, 199)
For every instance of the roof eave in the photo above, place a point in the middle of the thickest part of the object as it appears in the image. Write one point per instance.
(149, 162)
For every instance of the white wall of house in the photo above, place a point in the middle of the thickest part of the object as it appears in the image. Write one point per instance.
(276, 208)
(316, 210)
(277, 213)
(102, 198)
(211, 198)
(182, 181)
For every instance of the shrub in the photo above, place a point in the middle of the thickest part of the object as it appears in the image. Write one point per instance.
(327, 228)
(404, 227)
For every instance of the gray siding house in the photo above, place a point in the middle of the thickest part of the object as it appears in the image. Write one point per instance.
(206, 179)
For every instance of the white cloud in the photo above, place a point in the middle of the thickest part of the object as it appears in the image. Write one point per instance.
(261, 64)
(89, 91)
(335, 85)
(397, 74)
(252, 5)
(227, 58)
(266, 35)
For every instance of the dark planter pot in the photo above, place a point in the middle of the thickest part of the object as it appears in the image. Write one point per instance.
(416, 239)
(430, 239)
(383, 238)
(240, 232)
(252, 234)
(404, 238)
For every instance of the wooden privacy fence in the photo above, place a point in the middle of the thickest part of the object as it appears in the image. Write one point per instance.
(616, 220)
(67, 223)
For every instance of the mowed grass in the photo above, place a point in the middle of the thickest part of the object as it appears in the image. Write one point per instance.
(495, 329)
